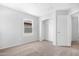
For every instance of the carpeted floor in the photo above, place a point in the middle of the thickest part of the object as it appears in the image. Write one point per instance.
(42, 48)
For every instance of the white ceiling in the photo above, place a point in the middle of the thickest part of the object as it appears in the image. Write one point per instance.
(41, 9)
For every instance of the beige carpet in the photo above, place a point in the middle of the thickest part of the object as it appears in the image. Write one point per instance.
(43, 48)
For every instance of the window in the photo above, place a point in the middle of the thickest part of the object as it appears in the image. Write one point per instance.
(27, 26)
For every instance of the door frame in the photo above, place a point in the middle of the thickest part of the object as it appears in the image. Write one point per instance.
(42, 34)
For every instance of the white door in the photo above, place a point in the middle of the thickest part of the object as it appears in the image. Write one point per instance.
(63, 24)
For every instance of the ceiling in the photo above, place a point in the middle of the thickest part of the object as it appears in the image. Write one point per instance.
(41, 9)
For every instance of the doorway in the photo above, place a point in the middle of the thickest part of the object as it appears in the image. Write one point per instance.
(45, 29)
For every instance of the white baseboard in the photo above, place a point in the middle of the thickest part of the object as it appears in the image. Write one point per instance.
(15, 45)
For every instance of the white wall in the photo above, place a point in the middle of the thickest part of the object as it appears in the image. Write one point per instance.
(12, 27)
(75, 28)
(78, 27)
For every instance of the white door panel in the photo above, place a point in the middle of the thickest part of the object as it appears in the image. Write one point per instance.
(62, 28)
